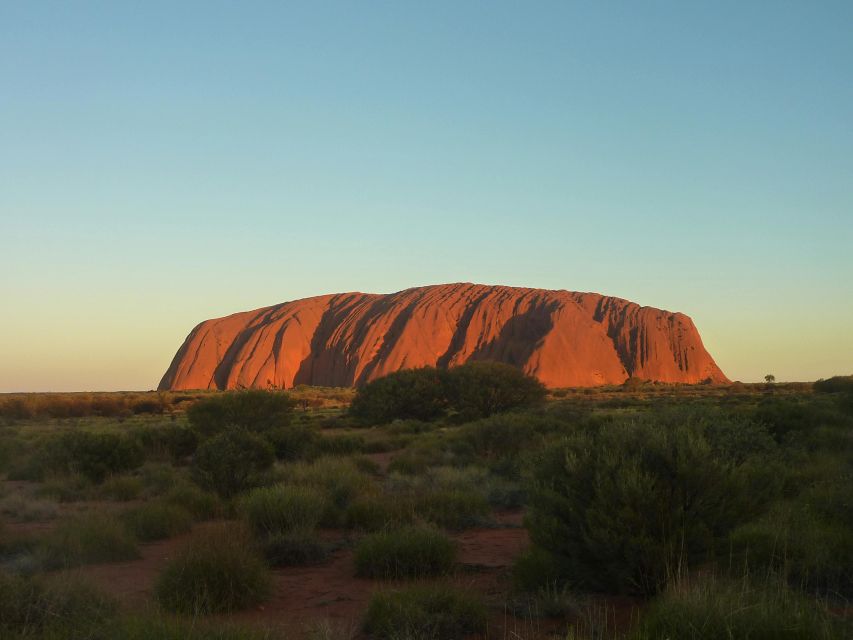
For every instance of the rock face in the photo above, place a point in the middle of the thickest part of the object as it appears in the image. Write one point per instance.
(566, 339)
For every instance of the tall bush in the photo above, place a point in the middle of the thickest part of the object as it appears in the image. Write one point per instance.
(253, 410)
(232, 462)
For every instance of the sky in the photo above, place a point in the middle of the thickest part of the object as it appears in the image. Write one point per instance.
(162, 163)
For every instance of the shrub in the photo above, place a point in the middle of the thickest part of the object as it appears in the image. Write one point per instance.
(835, 384)
(282, 509)
(479, 389)
(218, 571)
(416, 394)
(293, 548)
(452, 508)
(252, 410)
(812, 552)
(294, 442)
(232, 462)
(621, 508)
(339, 478)
(374, 512)
(85, 539)
(410, 552)
(28, 510)
(162, 627)
(39, 608)
(121, 488)
(201, 504)
(157, 520)
(713, 609)
(425, 612)
(71, 487)
(171, 441)
(95, 455)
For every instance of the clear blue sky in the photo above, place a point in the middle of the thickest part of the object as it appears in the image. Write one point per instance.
(166, 162)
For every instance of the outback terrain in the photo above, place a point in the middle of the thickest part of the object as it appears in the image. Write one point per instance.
(466, 503)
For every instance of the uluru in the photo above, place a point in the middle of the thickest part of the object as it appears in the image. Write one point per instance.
(564, 338)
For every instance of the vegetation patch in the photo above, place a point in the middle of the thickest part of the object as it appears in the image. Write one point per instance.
(217, 571)
(409, 552)
(157, 520)
(436, 612)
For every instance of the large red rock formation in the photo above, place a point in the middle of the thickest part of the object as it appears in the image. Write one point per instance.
(563, 338)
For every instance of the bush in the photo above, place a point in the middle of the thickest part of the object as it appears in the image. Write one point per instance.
(712, 610)
(835, 384)
(425, 612)
(71, 487)
(410, 552)
(38, 608)
(121, 488)
(85, 539)
(95, 455)
(232, 462)
(162, 627)
(282, 509)
(294, 442)
(374, 512)
(174, 442)
(338, 478)
(293, 548)
(157, 520)
(252, 410)
(621, 508)
(411, 394)
(480, 389)
(201, 504)
(216, 572)
(452, 508)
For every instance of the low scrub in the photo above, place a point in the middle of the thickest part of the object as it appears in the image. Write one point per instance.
(58, 608)
(157, 520)
(339, 479)
(232, 462)
(86, 539)
(203, 505)
(121, 488)
(712, 610)
(624, 507)
(283, 509)
(94, 455)
(409, 552)
(217, 571)
(375, 512)
(425, 612)
(293, 548)
(251, 410)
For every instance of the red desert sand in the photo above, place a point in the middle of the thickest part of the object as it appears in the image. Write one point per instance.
(564, 338)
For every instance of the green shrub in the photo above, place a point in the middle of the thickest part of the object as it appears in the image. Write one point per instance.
(425, 612)
(282, 509)
(293, 548)
(835, 384)
(340, 445)
(711, 610)
(23, 509)
(410, 552)
(232, 462)
(162, 627)
(622, 507)
(252, 410)
(94, 455)
(174, 442)
(411, 394)
(59, 608)
(157, 478)
(157, 520)
(452, 508)
(217, 571)
(72, 487)
(121, 488)
(480, 389)
(812, 552)
(339, 478)
(203, 505)
(85, 539)
(374, 512)
(295, 442)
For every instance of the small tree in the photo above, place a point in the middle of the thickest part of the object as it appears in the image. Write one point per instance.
(232, 462)
(417, 394)
(480, 389)
(770, 378)
(253, 410)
